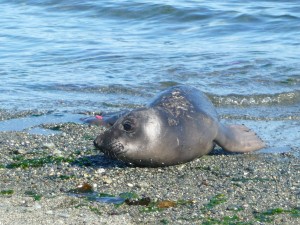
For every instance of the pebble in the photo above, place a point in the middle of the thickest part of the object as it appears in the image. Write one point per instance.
(63, 215)
(142, 184)
(20, 152)
(49, 212)
(57, 152)
(107, 180)
(37, 206)
(234, 207)
(100, 171)
(130, 185)
(95, 186)
(61, 222)
(48, 145)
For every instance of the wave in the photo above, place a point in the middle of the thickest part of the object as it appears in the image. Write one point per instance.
(115, 89)
(171, 12)
(261, 117)
(148, 91)
(286, 98)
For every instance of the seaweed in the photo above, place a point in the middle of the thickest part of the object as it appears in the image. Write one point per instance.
(164, 221)
(226, 220)
(129, 195)
(129, 198)
(268, 215)
(214, 201)
(36, 196)
(151, 207)
(23, 163)
(7, 192)
(256, 179)
(62, 177)
(95, 210)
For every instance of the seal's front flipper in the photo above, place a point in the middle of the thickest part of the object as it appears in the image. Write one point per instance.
(238, 138)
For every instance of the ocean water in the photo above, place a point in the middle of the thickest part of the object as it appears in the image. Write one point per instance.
(69, 56)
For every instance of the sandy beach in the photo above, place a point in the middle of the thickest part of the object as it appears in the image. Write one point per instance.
(62, 179)
(63, 61)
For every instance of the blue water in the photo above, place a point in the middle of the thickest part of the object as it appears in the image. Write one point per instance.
(73, 56)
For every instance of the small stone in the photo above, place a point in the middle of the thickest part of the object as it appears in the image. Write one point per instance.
(37, 206)
(230, 191)
(95, 187)
(30, 209)
(234, 207)
(100, 171)
(48, 146)
(129, 184)
(245, 206)
(49, 212)
(142, 184)
(107, 180)
(20, 152)
(181, 167)
(61, 222)
(57, 153)
(64, 215)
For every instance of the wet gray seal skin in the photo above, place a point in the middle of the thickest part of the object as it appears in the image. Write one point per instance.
(179, 125)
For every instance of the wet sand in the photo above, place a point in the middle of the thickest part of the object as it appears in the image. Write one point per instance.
(39, 174)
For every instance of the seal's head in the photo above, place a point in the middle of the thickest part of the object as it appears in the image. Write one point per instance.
(135, 138)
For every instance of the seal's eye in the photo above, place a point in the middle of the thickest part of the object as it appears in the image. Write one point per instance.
(128, 126)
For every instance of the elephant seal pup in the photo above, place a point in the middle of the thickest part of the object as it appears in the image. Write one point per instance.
(179, 125)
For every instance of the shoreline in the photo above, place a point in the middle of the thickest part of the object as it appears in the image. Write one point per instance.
(38, 172)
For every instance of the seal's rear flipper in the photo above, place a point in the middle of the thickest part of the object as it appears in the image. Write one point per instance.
(238, 138)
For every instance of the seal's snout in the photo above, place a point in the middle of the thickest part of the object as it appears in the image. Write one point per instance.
(110, 148)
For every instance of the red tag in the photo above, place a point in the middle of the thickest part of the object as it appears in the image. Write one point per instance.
(98, 117)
